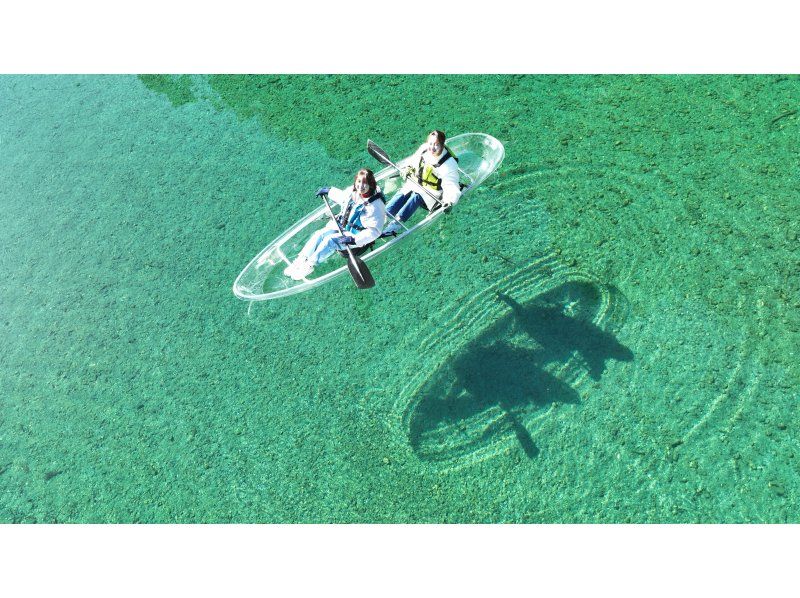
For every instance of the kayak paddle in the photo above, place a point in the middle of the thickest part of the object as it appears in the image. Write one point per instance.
(358, 269)
(381, 156)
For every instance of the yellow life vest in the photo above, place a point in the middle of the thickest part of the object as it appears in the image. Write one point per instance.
(425, 174)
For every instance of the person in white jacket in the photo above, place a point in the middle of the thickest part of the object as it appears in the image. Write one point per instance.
(436, 170)
(362, 218)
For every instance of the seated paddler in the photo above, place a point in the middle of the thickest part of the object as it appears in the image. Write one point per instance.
(362, 217)
(434, 168)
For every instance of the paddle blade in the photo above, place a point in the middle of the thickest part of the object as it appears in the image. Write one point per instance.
(377, 153)
(359, 271)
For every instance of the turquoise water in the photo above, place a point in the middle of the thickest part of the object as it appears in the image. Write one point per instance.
(604, 331)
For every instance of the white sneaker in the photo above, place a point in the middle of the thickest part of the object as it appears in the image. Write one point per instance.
(301, 269)
(393, 228)
(298, 264)
(289, 270)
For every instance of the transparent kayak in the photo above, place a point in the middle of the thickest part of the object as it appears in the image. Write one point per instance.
(479, 155)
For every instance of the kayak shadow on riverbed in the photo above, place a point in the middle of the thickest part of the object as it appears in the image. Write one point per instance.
(560, 334)
(486, 396)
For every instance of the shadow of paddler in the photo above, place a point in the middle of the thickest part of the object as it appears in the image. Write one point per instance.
(489, 389)
(485, 377)
(559, 334)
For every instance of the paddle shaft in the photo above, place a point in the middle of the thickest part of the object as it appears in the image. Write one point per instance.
(355, 263)
(377, 153)
(339, 226)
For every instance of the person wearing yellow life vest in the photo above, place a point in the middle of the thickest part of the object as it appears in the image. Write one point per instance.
(362, 218)
(437, 171)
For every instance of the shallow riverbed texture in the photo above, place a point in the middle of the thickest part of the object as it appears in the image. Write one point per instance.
(605, 331)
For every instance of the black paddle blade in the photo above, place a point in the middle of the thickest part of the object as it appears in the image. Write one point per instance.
(377, 153)
(359, 271)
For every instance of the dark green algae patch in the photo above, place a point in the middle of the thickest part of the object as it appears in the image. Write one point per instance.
(176, 88)
(605, 331)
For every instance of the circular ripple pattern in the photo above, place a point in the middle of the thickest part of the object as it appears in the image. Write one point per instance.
(497, 365)
(674, 250)
(646, 233)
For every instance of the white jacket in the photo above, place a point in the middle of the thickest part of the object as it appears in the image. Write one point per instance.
(370, 215)
(447, 171)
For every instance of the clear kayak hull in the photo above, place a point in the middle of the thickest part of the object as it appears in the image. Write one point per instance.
(479, 155)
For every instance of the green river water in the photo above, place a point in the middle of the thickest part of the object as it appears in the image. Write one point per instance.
(603, 332)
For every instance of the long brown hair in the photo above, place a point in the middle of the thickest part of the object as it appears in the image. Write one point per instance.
(370, 177)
